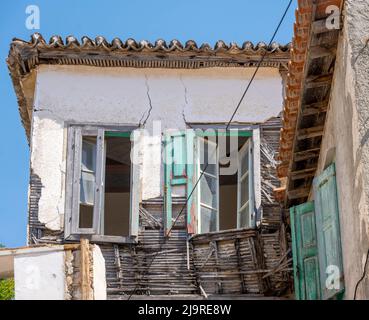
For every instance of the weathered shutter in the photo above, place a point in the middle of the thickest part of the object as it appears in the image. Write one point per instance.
(245, 203)
(136, 139)
(305, 252)
(328, 230)
(85, 190)
(191, 182)
(175, 173)
(207, 192)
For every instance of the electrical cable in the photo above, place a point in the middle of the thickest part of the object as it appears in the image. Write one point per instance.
(227, 127)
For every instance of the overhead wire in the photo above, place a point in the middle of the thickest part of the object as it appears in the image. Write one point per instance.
(227, 127)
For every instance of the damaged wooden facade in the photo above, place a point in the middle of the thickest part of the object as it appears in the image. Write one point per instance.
(101, 119)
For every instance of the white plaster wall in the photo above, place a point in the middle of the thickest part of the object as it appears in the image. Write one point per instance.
(39, 276)
(48, 163)
(345, 143)
(128, 96)
(99, 275)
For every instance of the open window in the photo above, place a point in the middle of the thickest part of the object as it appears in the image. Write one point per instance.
(225, 197)
(222, 163)
(207, 165)
(100, 201)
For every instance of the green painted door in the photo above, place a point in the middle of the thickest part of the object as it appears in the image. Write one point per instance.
(305, 252)
(328, 230)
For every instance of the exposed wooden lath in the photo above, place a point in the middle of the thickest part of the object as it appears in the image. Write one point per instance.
(229, 263)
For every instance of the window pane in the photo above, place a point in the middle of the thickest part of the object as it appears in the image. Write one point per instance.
(244, 190)
(85, 216)
(208, 187)
(208, 220)
(87, 193)
(244, 217)
(208, 157)
(88, 169)
(244, 162)
(87, 182)
(89, 154)
(179, 155)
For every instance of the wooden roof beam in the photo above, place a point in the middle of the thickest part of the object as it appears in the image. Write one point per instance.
(310, 133)
(320, 26)
(319, 51)
(314, 108)
(302, 174)
(318, 81)
(306, 154)
(298, 193)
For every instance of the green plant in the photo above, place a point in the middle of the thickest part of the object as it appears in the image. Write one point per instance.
(7, 289)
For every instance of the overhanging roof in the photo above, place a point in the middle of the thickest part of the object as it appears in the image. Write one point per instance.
(24, 56)
(308, 89)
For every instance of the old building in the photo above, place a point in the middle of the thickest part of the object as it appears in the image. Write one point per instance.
(118, 134)
(324, 150)
(143, 185)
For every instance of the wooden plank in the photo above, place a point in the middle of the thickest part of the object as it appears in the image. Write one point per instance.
(98, 218)
(310, 133)
(298, 193)
(318, 81)
(77, 150)
(117, 261)
(314, 108)
(242, 278)
(85, 270)
(319, 26)
(301, 174)
(135, 185)
(307, 154)
(318, 52)
(69, 184)
(219, 284)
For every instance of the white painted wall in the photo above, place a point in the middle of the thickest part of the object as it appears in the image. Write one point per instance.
(125, 96)
(99, 275)
(346, 143)
(39, 275)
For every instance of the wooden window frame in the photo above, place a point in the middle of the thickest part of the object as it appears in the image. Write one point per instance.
(72, 232)
(250, 173)
(198, 191)
(252, 131)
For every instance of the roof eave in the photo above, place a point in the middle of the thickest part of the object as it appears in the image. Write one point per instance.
(25, 56)
(310, 76)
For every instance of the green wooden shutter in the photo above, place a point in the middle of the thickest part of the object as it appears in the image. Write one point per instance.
(328, 230)
(191, 182)
(305, 252)
(177, 171)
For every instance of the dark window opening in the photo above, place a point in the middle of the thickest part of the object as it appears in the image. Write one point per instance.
(117, 187)
(228, 191)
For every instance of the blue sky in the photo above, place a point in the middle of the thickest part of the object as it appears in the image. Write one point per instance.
(201, 20)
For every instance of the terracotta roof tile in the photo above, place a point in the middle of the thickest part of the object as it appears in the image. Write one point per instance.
(295, 79)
